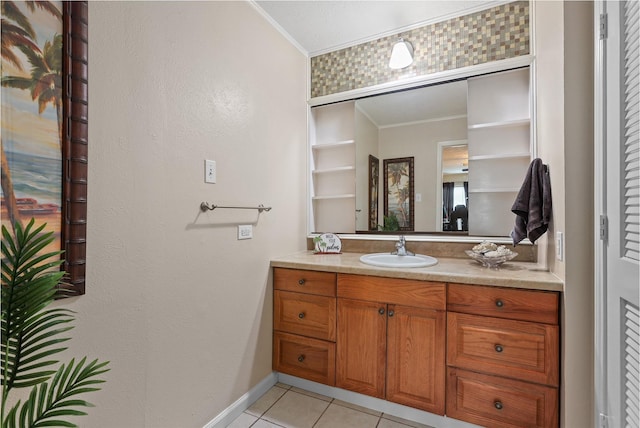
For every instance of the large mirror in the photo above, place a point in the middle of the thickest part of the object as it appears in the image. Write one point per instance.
(428, 125)
(445, 158)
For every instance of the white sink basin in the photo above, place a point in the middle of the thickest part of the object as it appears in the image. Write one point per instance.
(392, 260)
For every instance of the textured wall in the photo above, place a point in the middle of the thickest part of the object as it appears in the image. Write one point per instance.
(180, 307)
(490, 35)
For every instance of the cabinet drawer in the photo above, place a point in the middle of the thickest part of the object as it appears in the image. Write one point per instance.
(305, 314)
(524, 305)
(515, 349)
(497, 402)
(304, 357)
(422, 294)
(305, 281)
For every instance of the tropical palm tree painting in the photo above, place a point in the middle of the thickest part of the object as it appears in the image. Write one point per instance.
(32, 113)
(399, 192)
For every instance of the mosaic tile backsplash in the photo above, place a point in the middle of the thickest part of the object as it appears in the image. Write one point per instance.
(490, 35)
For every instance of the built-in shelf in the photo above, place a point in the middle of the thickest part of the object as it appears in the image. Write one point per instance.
(333, 170)
(501, 124)
(500, 156)
(333, 145)
(345, 196)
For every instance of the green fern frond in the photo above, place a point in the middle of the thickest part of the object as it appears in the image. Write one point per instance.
(32, 334)
(49, 401)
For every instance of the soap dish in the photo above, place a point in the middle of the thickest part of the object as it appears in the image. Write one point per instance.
(491, 262)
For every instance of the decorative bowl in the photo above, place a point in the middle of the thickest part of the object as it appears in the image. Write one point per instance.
(491, 262)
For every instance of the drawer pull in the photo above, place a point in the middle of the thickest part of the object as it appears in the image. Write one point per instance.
(301, 358)
(498, 405)
(301, 315)
(301, 282)
(381, 311)
(499, 303)
(391, 313)
(498, 348)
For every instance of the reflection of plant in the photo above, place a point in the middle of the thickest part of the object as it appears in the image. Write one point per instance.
(390, 223)
(31, 335)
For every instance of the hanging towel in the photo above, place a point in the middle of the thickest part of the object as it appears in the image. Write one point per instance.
(532, 206)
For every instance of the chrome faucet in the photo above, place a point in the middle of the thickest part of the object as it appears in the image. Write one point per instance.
(401, 250)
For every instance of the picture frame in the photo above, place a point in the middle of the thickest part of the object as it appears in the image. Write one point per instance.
(47, 57)
(374, 180)
(399, 193)
(75, 167)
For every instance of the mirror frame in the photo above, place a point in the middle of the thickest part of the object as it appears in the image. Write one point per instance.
(412, 83)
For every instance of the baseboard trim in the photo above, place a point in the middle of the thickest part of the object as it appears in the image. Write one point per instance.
(383, 406)
(230, 414)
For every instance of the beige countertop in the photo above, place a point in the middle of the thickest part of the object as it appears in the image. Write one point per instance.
(462, 271)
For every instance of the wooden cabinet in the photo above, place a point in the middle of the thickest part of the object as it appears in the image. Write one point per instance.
(391, 340)
(304, 323)
(481, 354)
(502, 356)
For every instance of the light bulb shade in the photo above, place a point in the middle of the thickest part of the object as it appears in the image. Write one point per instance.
(401, 55)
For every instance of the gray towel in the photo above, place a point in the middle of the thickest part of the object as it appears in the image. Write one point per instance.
(532, 206)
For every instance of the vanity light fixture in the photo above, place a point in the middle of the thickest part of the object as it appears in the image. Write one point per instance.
(401, 54)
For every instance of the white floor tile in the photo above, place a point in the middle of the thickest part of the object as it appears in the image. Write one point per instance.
(268, 398)
(295, 410)
(245, 420)
(342, 417)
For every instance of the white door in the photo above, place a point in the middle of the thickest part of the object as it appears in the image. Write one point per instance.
(618, 290)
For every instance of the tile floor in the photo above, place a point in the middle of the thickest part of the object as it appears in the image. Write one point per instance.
(290, 407)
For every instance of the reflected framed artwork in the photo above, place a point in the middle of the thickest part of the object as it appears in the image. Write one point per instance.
(374, 179)
(398, 194)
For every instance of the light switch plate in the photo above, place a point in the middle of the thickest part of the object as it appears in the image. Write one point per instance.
(210, 171)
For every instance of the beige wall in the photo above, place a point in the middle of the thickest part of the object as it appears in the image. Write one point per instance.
(564, 68)
(367, 144)
(179, 306)
(421, 141)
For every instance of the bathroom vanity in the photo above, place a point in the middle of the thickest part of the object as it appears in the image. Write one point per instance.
(455, 339)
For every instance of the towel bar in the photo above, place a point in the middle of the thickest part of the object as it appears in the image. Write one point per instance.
(205, 206)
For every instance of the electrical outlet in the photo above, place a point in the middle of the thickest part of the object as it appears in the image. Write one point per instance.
(245, 231)
(210, 171)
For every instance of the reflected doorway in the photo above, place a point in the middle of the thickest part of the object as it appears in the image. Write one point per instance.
(453, 175)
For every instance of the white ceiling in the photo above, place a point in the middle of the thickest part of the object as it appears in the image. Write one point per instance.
(323, 26)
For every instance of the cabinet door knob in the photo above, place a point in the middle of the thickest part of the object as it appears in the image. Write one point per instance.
(301, 358)
(301, 282)
(498, 348)
(499, 303)
(498, 405)
(381, 311)
(391, 313)
(301, 315)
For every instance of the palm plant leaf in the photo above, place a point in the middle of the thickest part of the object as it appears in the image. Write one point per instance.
(30, 333)
(48, 402)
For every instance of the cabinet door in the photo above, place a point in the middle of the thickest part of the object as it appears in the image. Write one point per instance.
(361, 346)
(416, 358)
